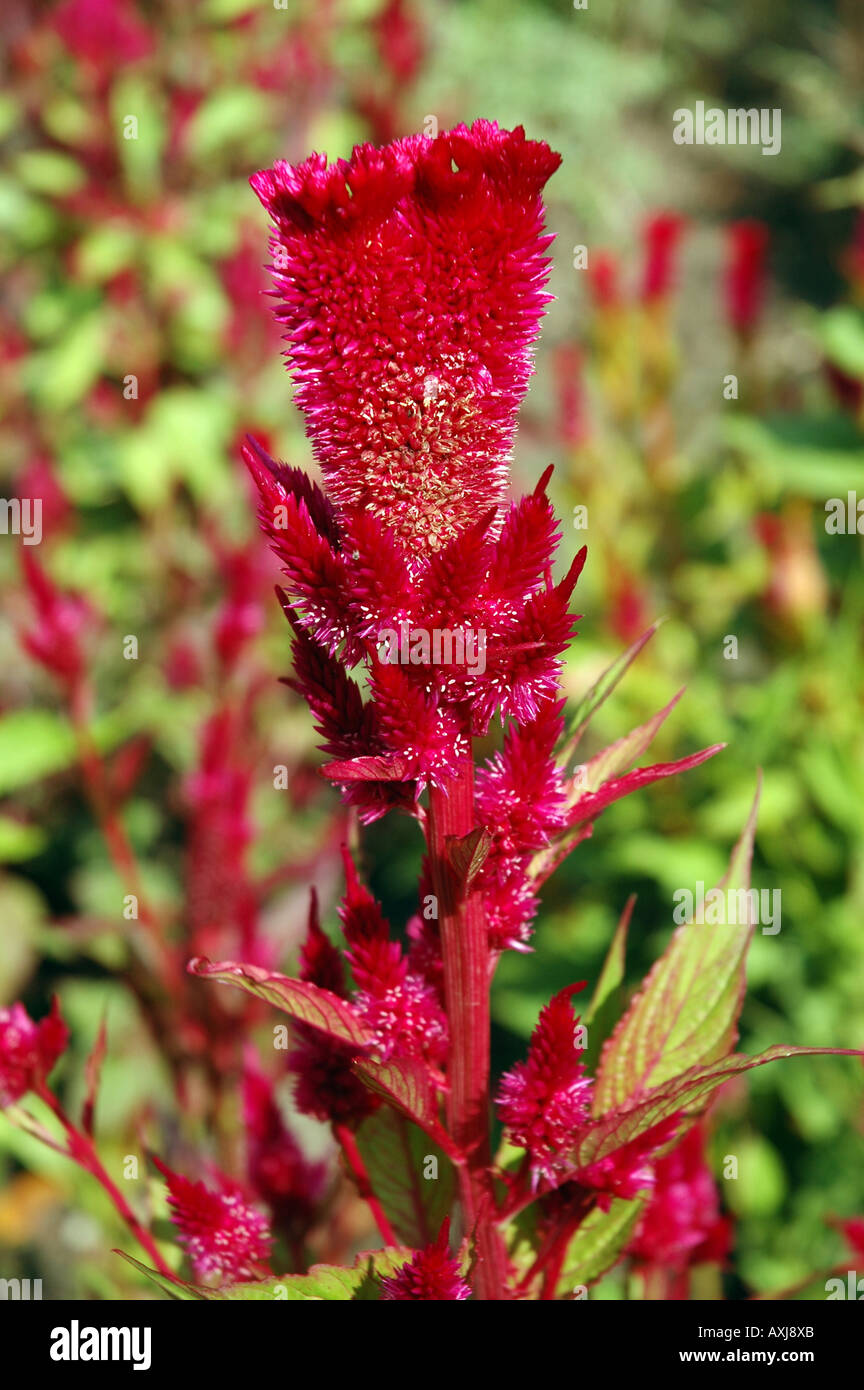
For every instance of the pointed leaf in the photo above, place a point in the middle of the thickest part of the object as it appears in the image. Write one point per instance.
(396, 1155)
(687, 1009)
(304, 1002)
(598, 1244)
(613, 967)
(92, 1073)
(621, 754)
(604, 1008)
(406, 1083)
(468, 853)
(323, 1283)
(601, 690)
(688, 1094)
(377, 768)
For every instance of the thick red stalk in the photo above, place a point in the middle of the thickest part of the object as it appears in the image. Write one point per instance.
(466, 989)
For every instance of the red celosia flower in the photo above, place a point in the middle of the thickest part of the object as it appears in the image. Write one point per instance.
(433, 1275)
(544, 1100)
(745, 274)
(682, 1225)
(409, 280)
(402, 1009)
(628, 1170)
(241, 616)
(521, 801)
(854, 1232)
(54, 639)
(224, 1236)
(107, 33)
(28, 1050)
(662, 235)
(603, 280)
(39, 481)
(278, 1172)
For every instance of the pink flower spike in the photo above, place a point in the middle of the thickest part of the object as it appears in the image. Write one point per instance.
(410, 283)
(433, 1275)
(662, 235)
(744, 284)
(544, 1100)
(28, 1050)
(54, 637)
(225, 1238)
(682, 1225)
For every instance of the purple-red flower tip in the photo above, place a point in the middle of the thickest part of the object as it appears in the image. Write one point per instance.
(28, 1050)
(433, 1275)
(225, 1237)
(544, 1100)
(410, 282)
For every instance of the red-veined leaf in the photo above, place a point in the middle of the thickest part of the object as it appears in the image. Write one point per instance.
(686, 1012)
(304, 1002)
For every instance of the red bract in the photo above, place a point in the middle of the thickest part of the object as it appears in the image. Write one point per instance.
(662, 235)
(544, 1100)
(402, 1010)
(104, 32)
(28, 1050)
(745, 274)
(409, 280)
(682, 1225)
(225, 1238)
(54, 639)
(432, 1275)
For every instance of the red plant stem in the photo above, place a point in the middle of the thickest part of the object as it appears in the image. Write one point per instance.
(81, 1150)
(360, 1175)
(465, 951)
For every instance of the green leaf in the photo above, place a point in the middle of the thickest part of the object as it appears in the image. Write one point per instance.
(597, 1244)
(686, 1013)
(304, 1002)
(323, 1283)
(842, 333)
(33, 743)
(50, 171)
(613, 967)
(591, 1250)
(688, 1092)
(601, 690)
(621, 754)
(396, 1153)
(19, 841)
(406, 1083)
(227, 117)
(603, 1008)
(61, 375)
